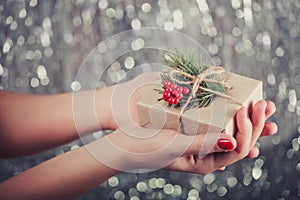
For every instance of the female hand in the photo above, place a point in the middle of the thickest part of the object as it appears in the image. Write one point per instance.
(198, 154)
(249, 130)
(125, 109)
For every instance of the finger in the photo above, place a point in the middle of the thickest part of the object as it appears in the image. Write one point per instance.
(243, 140)
(215, 161)
(129, 93)
(270, 109)
(210, 143)
(258, 120)
(254, 153)
(202, 146)
(222, 168)
(244, 132)
(270, 128)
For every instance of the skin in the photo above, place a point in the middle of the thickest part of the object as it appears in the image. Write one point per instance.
(30, 124)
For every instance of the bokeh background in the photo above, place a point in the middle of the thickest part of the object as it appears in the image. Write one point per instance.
(42, 44)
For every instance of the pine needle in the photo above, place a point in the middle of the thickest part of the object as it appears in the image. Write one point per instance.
(194, 65)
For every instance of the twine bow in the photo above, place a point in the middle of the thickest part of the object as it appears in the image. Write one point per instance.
(197, 80)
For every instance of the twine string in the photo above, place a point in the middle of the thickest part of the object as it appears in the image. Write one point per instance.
(197, 80)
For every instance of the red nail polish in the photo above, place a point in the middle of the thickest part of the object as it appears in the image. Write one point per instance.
(225, 144)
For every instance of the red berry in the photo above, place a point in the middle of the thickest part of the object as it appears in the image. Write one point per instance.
(168, 90)
(179, 89)
(167, 83)
(185, 90)
(166, 96)
(176, 101)
(173, 86)
(171, 100)
(179, 96)
(174, 93)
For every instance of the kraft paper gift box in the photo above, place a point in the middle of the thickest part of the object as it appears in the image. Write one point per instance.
(219, 116)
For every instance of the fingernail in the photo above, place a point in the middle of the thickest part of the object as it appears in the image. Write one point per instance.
(222, 168)
(265, 105)
(225, 144)
(247, 114)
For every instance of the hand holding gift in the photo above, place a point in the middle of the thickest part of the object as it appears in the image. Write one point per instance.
(206, 152)
(197, 98)
(169, 149)
(220, 149)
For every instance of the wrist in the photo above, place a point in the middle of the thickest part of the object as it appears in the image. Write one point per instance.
(109, 152)
(135, 152)
(103, 99)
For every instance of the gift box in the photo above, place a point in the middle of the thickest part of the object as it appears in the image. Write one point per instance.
(218, 116)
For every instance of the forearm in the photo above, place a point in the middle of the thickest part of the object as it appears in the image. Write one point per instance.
(30, 123)
(63, 177)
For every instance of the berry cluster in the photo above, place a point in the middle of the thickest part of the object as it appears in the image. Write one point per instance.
(173, 93)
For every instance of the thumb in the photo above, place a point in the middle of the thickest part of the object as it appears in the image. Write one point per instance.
(210, 143)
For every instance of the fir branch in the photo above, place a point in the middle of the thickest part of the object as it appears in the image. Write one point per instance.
(194, 65)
